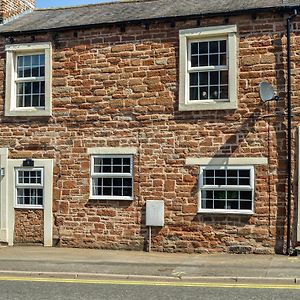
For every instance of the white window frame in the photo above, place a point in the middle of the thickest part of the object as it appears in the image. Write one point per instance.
(186, 37)
(29, 186)
(12, 52)
(94, 175)
(251, 188)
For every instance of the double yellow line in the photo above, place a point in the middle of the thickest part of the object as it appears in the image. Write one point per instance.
(154, 283)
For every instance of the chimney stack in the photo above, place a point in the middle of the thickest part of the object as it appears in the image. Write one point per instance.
(10, 9)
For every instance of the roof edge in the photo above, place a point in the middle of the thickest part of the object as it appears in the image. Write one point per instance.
(278, 9)
(111, 2)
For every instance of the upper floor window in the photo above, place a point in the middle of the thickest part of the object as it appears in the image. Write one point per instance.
(28, 80)
(208, 68)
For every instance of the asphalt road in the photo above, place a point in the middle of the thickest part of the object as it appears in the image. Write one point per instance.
(60, 289)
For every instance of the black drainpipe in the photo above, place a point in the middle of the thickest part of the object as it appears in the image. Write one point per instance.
(289, 248)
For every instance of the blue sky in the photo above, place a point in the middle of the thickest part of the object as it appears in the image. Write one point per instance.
(55, 3)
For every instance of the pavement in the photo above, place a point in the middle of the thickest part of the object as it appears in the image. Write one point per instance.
(73, 263)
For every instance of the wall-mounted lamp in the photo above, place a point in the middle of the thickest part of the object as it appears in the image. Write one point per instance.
(28, 162)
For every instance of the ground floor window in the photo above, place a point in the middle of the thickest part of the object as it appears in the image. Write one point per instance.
(29, 187)
(226, 189)
(112, 177)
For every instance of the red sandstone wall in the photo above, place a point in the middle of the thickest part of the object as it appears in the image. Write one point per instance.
(12, 8)
(113, 88)
(29, 226)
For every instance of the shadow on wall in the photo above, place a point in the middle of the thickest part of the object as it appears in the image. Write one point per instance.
(279, 194)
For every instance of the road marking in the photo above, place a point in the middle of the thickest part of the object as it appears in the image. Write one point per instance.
(154, 283)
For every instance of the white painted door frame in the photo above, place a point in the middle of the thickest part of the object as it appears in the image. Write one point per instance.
(7, 197)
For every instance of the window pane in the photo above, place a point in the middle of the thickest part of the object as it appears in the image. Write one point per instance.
(42, 101)
(224, 77)
(220, 204)
(243, 181)
(220, 173)
(214, 78)
(194, 48)
(203, 47)
(117, 169)
(28, 101)
(127, 192)
(127, 161)
(232, 195)
(223, 60)
(244, 173)
(126, 169)
(213, 60)
(117, 161)
(117, 182)
(107, 169)
(207, 194)
(246, 204)
(20, 101)
(219, 194)
(42, 71)
(117, 191)
(194, 79)
(213, 47)
(194, 61)
(20, 61)
(203, 93)
(36, 87)
(107, 191)
(203, 60)
(35, 60)
(246, 195)
(127, 182)
(208, 204)
(35, 100)
(214, 92)
(106, 161)
(107, 181)
(232, 181)
(220, 181)
(203, 78)
(232, 204)
(27, 60)
(222, 46)
(194, 93)
(28, 87)
(224, 92)
(42, 59)
(232, 173)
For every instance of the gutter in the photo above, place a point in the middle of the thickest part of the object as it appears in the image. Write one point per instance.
(253, 11)
(289, 248)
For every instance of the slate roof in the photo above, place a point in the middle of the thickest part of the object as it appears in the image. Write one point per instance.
(130, 11)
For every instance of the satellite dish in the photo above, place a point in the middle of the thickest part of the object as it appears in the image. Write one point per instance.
(266, 92)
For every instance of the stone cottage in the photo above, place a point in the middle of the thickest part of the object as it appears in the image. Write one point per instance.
(105, 107)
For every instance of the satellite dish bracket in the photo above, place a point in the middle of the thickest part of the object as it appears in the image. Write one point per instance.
(266, 92)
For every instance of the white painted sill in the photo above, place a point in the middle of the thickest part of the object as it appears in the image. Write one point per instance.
(29, 207)
(28, 113)
(226, 212)
(110, 198)
(211, 105)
